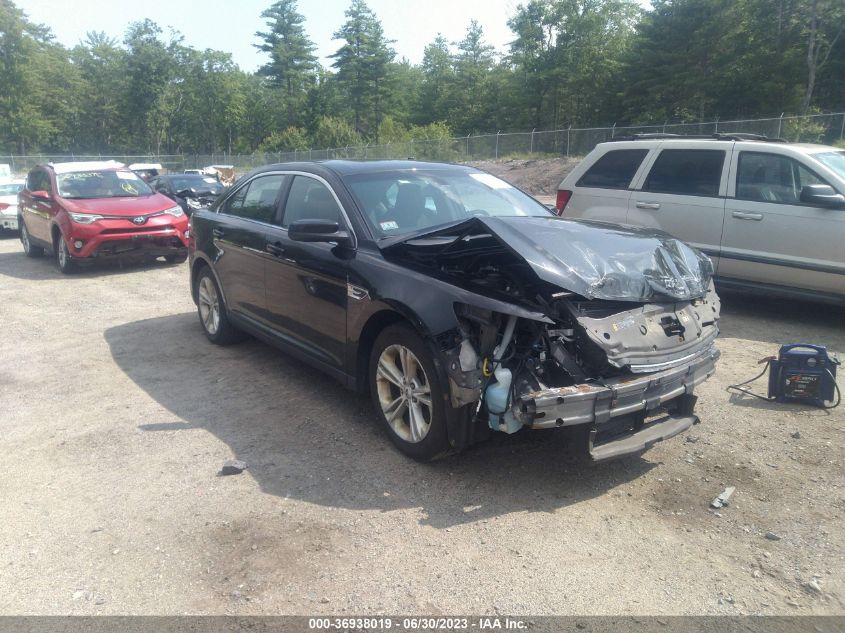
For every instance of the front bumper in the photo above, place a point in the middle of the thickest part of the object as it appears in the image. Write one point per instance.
(158, 236)
(618, 407)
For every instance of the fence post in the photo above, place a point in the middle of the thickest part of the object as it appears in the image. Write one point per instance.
(716, 130)
(532, 141)
(664, 126)
(613, 131)
(568, 134)
(780, 123)
(467, 150)
(497, 144)
(842, 131)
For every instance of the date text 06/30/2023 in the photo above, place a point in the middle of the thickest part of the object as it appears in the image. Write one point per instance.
(416, 624)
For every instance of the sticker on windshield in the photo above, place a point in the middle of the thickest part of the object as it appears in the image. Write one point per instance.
(491, 181)
(390, 225)
(127, 175)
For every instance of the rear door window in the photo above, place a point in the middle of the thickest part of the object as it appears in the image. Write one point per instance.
(614, 170)
(691, 172)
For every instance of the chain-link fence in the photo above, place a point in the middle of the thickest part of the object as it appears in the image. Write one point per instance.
(816, 128)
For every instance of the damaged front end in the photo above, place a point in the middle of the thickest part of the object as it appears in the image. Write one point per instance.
(622, 326)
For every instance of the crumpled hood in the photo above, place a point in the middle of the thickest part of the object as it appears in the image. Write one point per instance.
(593, 259)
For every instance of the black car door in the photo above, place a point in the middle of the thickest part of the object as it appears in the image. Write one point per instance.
(239, 239)
(306, 282)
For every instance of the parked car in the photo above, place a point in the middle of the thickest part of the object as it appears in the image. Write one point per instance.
(90, 210)
(147, 171)
(770, 214)
(460, 303)
(9, 205)
(189, 191)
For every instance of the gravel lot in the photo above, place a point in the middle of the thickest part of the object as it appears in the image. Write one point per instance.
(117, 415)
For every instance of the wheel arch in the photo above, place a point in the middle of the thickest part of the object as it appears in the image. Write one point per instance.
(200, 262)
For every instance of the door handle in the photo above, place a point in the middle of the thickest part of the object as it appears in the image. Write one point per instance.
(218, 232)
(275, 249)
(743, 215)
(654, 206)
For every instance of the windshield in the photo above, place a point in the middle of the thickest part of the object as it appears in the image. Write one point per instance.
(199, 183)
(10, 190)
(401, 202)
(107, 183)
(833, 160)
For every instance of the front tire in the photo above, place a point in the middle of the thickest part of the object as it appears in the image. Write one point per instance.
(64, 262)
(212, 311)
(407, 394)
(29, 249)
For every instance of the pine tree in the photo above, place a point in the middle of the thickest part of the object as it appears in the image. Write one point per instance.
(362, 65)
(292, 67)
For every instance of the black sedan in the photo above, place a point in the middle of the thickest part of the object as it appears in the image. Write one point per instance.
(189, 191)
(461, 304)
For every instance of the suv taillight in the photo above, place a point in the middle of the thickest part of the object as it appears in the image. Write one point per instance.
(4, 206)
(563, 197)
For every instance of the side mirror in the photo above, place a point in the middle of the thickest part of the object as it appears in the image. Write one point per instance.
(822, 195)
(318, 231)
(41, 195)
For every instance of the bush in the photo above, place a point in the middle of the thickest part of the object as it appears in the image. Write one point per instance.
(332, 132)
(288, 140)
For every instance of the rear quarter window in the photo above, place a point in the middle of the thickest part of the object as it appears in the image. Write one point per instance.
(614, 170)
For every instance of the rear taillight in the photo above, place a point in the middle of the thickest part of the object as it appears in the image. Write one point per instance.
(563, 197)
(4, 206)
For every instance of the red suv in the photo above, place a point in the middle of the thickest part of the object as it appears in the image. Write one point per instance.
(86, 210)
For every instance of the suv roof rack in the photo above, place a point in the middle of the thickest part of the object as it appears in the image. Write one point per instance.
(730, 136)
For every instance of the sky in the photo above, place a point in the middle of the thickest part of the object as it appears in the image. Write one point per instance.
(230, 26)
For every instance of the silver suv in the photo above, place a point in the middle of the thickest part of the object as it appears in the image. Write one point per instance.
(770, 214)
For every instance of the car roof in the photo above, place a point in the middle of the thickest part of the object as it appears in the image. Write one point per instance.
(350, 167)
(70, 167)
(742, 143)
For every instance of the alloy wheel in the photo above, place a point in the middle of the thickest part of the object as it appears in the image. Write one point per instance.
(62, 253)
(27, 245)
(209, 305)
(404, 393)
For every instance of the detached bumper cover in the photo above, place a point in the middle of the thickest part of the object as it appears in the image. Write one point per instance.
(604, 404)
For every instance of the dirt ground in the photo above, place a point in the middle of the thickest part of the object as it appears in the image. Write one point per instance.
(116, 415)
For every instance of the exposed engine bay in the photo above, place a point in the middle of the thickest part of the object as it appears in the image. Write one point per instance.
(628, 325)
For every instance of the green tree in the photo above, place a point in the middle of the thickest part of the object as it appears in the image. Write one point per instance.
(102, 67)
(288, 140)
(292, 67)
(438, 82)
(332, 132)
(362, 66)
(470, 99)
(22, 123)
(150, 67)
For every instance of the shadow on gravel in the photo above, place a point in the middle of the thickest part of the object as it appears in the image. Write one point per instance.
(781, 321)
(306, 437)
(19, 266)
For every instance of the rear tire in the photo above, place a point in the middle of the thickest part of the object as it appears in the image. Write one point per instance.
(29, 249)
(64, 261)
(407, 395)
(211, 310)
